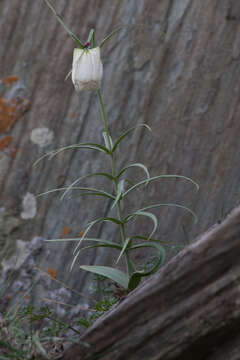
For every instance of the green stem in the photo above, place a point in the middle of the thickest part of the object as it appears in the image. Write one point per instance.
(122, 226)
(103, 114)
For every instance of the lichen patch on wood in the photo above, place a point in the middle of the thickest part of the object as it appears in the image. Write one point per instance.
(29, 206)
(11, 111)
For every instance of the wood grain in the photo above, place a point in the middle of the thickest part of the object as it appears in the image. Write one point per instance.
(188, 310)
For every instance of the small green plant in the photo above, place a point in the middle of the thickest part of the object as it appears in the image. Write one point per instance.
(86, 75)
(19, 340)
(26, 332)
(108, 292)
(100, 308)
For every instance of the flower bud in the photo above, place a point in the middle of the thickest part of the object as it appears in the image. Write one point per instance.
(87, 69)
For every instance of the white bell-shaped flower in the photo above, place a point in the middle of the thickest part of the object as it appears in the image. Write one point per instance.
(87, 69)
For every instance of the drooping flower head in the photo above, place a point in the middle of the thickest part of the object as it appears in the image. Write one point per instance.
(87, 69)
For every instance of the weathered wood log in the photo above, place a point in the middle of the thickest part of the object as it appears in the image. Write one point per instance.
(189, 310)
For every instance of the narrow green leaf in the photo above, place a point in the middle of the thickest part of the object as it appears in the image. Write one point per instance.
(160, 177)
(108, 37)
(98, 246)
(130, 183)
(88, 145)
(90, 36)
(150, 244)
(112, 246)
(90, 225)
(120, 190)
(111, 219)
(93, 44)
(134, 281)
(130, 265)
(165, 245)
(142, 212)
(49, 154)
(137, 275)
(74, 37)
(87, 191)
(113, 274)
(109, 176)
(126, 133)
(68, 74)
(163, 242)
(135, 165)
(100, 241)
(174, 205)
(125, 246)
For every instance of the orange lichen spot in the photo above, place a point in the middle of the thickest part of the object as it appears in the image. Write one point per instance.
(3, 102)
(12, 111)
(13, 152)
(73, 115)
(26, 297)
(52, 272)
(66, 230)
(8, 80)
(80, 233)
(5, 141)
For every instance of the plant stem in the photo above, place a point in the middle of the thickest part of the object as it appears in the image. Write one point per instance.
(103, 114)
(120, 217)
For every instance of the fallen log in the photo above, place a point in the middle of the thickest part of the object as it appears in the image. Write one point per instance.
(189, 310)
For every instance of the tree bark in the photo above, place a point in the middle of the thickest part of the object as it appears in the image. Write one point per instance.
(188, 310)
